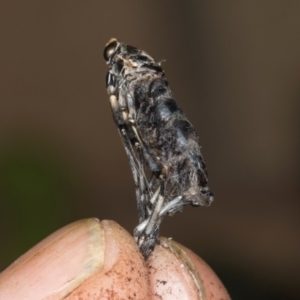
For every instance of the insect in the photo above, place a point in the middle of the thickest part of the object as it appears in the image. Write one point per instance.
(161, 144)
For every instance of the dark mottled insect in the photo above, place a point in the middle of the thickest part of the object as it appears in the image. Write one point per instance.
(162, 146)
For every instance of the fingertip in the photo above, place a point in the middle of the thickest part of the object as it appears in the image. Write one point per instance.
(56, 265)
(124, 274)
(177, 273)
(87, 259)
(213, 286)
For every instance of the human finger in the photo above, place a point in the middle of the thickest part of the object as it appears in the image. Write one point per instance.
(176, 272)
(87, 258)
(90, 260)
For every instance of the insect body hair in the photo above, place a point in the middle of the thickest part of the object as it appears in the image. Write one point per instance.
(171, 140)
(157, 135)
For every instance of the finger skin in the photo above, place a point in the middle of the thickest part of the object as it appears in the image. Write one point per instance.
(177, 273)
(213, 286)
(124, 274)
(56, 265)
(92, 260)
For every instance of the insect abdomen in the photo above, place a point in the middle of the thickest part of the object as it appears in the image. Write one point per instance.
(169, 136)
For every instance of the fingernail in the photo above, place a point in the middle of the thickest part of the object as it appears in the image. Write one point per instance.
(56, 265)
(124, 275)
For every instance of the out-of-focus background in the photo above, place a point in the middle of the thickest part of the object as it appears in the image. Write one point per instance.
(234, 70)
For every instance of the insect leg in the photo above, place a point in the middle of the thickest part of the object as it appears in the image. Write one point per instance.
(141, 227)
(172, 206)
(144, 189)
(149, 236)
(135, 172)
(118, 116)
(143, 185)
(152, 182)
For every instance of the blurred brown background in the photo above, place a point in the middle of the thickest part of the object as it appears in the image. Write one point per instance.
(234, 69)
